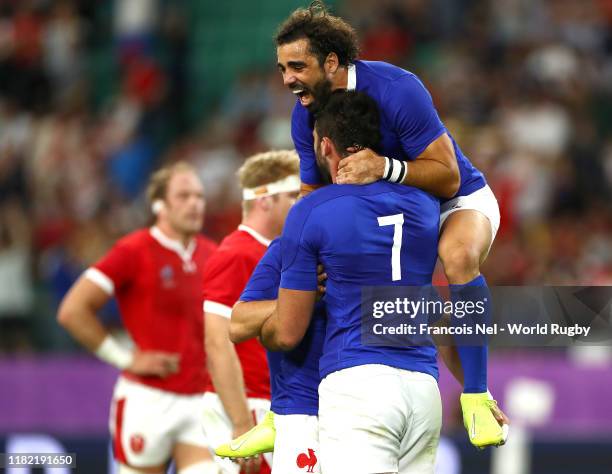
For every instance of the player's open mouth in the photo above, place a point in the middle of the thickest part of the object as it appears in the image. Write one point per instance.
(302, 94)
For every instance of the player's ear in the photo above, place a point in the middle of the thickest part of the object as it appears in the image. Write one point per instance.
(328, 149)
(331, 63)
(157, 207)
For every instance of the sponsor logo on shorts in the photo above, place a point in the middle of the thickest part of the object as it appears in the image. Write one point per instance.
(137, 443)
(308, 461)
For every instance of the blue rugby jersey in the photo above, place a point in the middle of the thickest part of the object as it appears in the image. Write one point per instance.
(294, 375)
(409, 122)
(351, 229)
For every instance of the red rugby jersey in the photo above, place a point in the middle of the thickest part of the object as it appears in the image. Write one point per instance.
(158, 284)
(226, 274)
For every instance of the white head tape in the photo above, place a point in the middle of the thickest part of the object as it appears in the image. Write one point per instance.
(157, 206)
(290, 184)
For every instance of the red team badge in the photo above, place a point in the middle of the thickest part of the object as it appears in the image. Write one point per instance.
(137, 443)
(309, 461)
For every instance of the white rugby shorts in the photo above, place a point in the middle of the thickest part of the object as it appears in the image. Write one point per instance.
(219, 430)
(296, 448)
(375, 418)
(482, 200)
(146, 423)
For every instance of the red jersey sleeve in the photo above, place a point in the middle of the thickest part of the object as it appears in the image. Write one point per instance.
(225, 276)
(115, 270)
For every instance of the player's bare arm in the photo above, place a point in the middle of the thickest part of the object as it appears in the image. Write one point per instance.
(435, 170)
(227, 377)
(226, 372)
(286, 327)
(77, 314)
(247, 319)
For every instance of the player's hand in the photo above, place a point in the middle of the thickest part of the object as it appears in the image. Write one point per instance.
(485, 423)
(154, 363)
(500, 416)
(251, 465)
(321, 279)
(362, 167)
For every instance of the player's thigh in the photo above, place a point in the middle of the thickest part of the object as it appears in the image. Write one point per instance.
(141, 424)
(296, 447)
(465, 238)
(191, 446)
(420, 443)
(217, 428)
(187, 455)
(362, 420)
(469, 221)
(216, 424)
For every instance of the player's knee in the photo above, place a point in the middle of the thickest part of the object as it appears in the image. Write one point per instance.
(461, 262)
(204, 467)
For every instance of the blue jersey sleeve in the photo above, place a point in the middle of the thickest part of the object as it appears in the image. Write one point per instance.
(263, 284)
(410, 109)
(299, 249)
(301, 133)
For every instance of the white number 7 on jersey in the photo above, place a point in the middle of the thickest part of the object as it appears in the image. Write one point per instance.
(396, 220)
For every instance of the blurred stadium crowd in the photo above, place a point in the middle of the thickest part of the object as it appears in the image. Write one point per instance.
(525, 86)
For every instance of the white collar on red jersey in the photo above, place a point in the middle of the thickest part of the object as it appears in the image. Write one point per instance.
(184, 252)
(256, 235)
(351, 83)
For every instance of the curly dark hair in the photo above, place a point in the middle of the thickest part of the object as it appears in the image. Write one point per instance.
(350, 119)
(325, 33)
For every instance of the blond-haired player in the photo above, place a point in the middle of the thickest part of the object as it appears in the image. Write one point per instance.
(240, 392)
